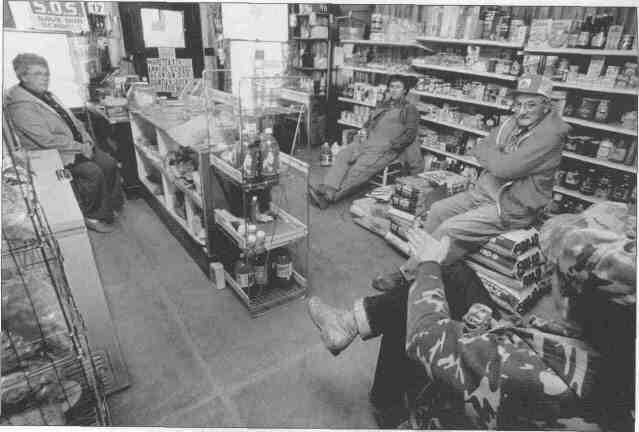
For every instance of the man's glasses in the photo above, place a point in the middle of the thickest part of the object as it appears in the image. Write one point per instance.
(527, 106)
(39, 74)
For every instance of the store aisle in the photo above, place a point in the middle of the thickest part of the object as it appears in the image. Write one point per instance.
(197, 358)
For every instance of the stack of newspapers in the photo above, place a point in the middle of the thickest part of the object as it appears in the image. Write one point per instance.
(513, 269)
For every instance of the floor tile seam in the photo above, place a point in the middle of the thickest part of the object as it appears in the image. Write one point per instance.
(234, 388)
(174, 313)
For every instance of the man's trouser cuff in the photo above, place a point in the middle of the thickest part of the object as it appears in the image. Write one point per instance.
(361, 318)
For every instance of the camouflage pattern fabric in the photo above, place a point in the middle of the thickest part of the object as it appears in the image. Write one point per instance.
(517, 376)
(504, 377)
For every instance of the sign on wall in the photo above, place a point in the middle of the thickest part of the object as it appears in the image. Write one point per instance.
(169, 74)
(59, 15)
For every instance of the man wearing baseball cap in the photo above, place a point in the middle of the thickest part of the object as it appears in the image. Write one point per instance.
(519, 159)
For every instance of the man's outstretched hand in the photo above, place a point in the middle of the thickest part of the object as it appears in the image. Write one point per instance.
(425, 247)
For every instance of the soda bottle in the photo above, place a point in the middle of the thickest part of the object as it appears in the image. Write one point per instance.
(270, 152)
(261, 271)
(244, 273)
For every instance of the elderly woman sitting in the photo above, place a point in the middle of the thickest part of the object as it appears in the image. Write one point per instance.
(41, 122)
(391, 133)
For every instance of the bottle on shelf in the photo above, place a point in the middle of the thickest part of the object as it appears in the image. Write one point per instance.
(604, 187)
(282, 266)
(326, 156)
(335, 149)
(270, 155)
(244, 273)
(573, 176)
(589, 182)
(261, 270)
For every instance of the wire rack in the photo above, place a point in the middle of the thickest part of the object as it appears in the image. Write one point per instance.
(49, 374)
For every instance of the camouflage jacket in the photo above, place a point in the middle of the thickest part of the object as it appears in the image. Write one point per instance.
(504, 377)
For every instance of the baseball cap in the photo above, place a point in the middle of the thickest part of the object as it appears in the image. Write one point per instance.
(534, 84)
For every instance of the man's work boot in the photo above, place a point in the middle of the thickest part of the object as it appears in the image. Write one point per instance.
(390, 281)
(337, 327)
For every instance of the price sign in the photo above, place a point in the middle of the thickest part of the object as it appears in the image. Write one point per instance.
(96, 8)
(59, 15)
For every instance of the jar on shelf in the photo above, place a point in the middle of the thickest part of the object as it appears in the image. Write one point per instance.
(604, 187)
(603, 109)
(590, 146)
(589, 182)
(605, 148)
(573, 177)
(619, 151)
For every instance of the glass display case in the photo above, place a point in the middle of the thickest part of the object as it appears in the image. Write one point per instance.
(50, 375)
(262, 230)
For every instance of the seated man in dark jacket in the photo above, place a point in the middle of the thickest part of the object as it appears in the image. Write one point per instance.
(41, 122)
(389, 135)
(537, 370)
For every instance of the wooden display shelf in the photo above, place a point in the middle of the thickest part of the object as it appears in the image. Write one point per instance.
(582, 52)
(461, 100)
(601, 126)
(271, 297)
(357, 102)
(381, 71)
(577, 194)
(470, 160)
(483, 42)
(609, 90)
(456, 126)
(155, 161)
(279, 232)
(407, 44)
(600, 162)
(465, 71)
(347, 123)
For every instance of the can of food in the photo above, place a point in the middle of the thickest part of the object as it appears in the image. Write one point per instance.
(626, 41)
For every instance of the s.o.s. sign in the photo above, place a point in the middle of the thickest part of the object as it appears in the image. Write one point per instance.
(59, 15)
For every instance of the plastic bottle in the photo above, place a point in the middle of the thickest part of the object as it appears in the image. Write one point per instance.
(335, 149)
(282, 268)
(326, 156)
(244, 273)
(270, 152)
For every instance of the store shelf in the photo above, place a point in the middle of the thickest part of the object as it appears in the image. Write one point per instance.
(470, 160)
(461, 100)
(483, 42)
(357, 102)
(408, 44)
(283, 230)
(456, 126)
(236, 175)
(381, 71)
(259, 302)
(600, 162)
(601, 126)
(610, 90)
(465, 71)
(582, 52)
(578, 195)
(311, 39)
(346, 123)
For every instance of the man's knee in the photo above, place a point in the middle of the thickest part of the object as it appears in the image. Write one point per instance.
(106, 162)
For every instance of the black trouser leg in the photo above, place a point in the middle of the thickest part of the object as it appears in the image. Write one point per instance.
(387, 317)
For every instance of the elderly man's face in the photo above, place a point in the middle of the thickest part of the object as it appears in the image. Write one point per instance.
(36, 79)
(529, 109)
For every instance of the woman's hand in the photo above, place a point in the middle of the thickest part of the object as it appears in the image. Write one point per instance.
(425, 247)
